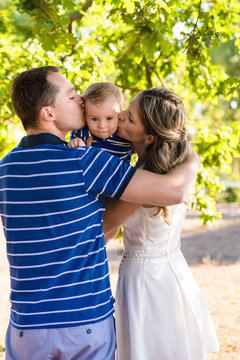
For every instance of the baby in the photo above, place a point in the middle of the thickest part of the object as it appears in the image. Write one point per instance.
(103, 102)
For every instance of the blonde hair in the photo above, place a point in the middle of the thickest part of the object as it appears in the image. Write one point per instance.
(98, 92)
(163, 115)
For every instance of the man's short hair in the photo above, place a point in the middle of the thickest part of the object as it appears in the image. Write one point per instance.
(31, 91)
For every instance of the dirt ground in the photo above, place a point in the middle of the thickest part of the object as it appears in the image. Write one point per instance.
(214, 258)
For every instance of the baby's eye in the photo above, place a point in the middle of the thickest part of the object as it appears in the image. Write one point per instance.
(109, 118)
(94, 119)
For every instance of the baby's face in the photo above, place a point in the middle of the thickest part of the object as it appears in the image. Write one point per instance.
(102, 119)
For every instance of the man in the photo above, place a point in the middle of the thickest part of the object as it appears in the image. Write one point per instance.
(52, 202)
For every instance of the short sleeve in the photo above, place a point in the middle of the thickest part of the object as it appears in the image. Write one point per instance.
(105, 174)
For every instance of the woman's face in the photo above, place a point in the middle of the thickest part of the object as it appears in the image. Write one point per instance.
(130, 126)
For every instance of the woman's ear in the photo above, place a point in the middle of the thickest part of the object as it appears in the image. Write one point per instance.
(149, 139)
(47, 113)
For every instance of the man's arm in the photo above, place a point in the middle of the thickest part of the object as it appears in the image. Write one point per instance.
(146, 187)
(150, 188)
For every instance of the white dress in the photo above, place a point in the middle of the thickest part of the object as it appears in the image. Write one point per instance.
(160, 312)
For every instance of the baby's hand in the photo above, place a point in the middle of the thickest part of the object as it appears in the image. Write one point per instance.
(75, 143)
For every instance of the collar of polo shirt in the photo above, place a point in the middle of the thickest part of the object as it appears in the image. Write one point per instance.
(39, 139)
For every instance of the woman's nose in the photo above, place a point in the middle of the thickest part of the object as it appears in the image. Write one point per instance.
(121, 115)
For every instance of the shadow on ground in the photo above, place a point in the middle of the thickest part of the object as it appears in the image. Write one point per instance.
(221, 246)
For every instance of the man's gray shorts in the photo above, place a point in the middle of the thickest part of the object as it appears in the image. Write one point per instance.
(87, 342)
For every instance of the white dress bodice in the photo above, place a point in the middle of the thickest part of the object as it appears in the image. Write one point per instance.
(146, 232)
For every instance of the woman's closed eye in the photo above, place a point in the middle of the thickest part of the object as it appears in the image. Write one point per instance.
(130, 119)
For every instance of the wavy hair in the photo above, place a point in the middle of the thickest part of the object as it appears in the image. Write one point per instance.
(163, 115)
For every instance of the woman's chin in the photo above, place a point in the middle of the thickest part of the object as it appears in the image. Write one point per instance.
(119, 133)
(123, 134)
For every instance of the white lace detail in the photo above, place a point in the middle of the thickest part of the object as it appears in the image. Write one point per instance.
(164, 252)
(138, 255)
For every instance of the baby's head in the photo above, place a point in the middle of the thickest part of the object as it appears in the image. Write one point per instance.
(103, 102)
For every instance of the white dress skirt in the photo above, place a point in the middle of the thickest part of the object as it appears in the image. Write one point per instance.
(160, 312)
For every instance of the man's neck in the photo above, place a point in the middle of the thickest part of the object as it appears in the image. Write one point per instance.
(35, 131)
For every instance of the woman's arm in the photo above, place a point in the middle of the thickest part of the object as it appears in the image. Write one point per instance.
(110, 235)
(117, 211)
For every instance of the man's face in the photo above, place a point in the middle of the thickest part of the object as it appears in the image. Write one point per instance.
(68, 111)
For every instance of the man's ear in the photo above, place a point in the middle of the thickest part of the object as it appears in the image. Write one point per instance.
(149, 139)
(47, 113)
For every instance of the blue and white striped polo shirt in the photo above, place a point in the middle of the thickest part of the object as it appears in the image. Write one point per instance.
(52, 200)
(114, 144)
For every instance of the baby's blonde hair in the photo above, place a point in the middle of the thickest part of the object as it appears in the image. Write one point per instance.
(98, 92)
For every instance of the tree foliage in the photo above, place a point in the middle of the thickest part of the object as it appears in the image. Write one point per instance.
(136, 44)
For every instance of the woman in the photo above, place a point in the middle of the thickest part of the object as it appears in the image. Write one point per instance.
(160, 313)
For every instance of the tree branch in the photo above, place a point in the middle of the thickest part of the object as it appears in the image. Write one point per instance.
(195, 26)
(161, 80)
(50, 17)
(134, 90)
(149, 72)
(77, 15)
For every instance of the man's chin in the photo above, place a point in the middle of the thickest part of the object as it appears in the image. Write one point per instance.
(82, 123)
